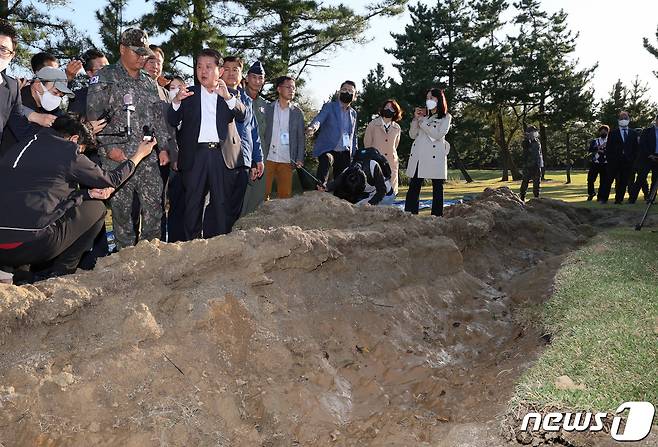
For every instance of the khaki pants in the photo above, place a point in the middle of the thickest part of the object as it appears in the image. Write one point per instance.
(282, 174)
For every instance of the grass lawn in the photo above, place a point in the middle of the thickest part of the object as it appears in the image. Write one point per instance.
(604, 321)
(554, 187)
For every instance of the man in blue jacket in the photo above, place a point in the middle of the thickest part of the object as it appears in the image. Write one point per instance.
(336, 127)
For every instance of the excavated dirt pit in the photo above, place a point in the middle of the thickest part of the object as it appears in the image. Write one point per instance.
(315, 323)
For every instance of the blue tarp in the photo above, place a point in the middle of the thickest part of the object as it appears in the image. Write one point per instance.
(426, 204)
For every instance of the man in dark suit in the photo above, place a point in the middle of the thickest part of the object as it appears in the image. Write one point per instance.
(620, 152)
(647, 162)
(10, 98)
(209, 147)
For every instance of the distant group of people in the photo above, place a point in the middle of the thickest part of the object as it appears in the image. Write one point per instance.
(626, 157)
(623, 156)
(179, 162)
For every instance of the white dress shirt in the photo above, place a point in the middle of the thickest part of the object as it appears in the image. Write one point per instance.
(280, 145)
(208, 130)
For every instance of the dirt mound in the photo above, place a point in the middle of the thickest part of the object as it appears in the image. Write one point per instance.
(314, 323)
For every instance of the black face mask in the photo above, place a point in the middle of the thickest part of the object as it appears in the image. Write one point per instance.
(603, 135)
(388, 113)
(346, 97)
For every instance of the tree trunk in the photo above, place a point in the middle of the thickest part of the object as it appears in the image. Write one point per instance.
(508, 163)
(460, 165)
(568, 159)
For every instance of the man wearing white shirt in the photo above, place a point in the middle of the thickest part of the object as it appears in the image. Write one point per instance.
(284, 137)
(206, 159)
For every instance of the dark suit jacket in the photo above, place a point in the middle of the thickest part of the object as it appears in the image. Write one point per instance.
(10, 101)
(189, 115)
(618, 151)
(79, 103)
(647, 144)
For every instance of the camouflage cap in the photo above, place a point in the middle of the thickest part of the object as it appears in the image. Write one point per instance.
(137, 40)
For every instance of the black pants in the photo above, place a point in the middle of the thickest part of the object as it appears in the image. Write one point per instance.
(412, 200)
(533, 174)
(176, 212)
(63, 242)
(641, 180)
(226, 187)
(595, 170)
(339, 160)
(619, 172)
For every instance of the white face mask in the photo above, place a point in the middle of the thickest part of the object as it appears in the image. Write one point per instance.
(623, 123)
(535, 135)
(431, 104)
(173, 93)
(49, 102)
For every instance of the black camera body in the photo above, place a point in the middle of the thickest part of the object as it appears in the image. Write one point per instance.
(107, 115)
(148, 134)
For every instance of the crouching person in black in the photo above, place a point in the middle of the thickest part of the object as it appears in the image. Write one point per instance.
(366, 180)
(48, 217)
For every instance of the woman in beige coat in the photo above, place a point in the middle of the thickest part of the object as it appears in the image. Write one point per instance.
(383, 133)
(429, 152)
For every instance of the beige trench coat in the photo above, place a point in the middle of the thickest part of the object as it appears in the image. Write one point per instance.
(385, 142)
(429, 151)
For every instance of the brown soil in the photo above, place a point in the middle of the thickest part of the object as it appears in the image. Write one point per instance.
(315, 323)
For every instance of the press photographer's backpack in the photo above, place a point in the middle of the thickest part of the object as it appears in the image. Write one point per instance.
(364, 156)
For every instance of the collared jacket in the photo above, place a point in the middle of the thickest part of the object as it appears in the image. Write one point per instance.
(330, 133)
(429, 152)
(295, 129)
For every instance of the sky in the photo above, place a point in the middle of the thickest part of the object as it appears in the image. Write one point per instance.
(609, 35)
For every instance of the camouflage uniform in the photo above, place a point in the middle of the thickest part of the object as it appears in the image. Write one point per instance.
(106, 91)
(255, 194)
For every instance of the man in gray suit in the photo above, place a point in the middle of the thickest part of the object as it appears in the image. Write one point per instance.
(284, 139)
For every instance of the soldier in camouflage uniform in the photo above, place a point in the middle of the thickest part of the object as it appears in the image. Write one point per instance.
(255, 194)
(106, 92)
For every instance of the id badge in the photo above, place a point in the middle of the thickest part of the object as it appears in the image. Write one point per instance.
(347, 141)
(285, 138)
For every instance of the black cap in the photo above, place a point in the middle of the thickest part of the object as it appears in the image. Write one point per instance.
(257, 68)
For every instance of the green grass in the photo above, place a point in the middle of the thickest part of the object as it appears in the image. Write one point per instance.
(604, 321)
(554, 187)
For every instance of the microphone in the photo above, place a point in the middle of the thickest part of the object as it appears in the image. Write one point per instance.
(128, 107)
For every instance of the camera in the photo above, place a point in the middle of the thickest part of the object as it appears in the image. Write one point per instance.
(148, 134)
(107, 115)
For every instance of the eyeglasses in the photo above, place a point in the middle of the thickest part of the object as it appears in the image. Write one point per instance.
(6, 52)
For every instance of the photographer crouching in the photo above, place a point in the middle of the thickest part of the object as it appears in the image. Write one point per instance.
(52, 197)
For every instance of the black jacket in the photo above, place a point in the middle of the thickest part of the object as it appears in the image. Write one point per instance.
(39, 182)
(10, 101)
(597, 157)
(621, 151)
(19, 128)
(189, 115)
(647, 144)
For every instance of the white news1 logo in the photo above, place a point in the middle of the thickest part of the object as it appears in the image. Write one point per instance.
(638, 421)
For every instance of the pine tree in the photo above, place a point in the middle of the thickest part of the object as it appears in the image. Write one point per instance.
(187, 26)
(653, 49)
(291, 35)
(39, 31)
(111, 26)
(615, 103)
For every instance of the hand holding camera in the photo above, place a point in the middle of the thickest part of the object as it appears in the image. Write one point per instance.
(420, 112)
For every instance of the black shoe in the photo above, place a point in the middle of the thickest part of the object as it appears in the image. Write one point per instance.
(589, 198)
(617, 202)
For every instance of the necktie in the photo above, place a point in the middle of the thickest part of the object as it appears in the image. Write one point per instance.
(623, 135)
